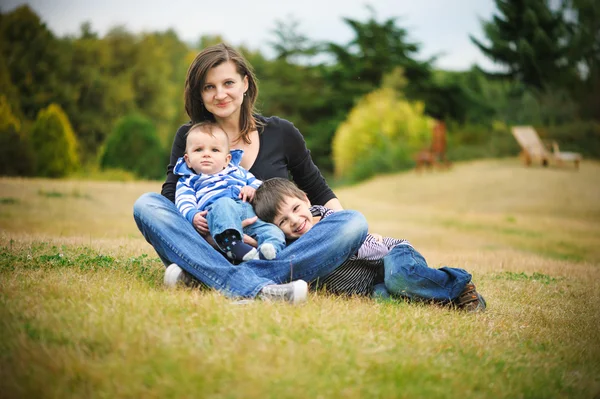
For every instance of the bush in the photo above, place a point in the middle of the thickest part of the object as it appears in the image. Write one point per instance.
(579, 136)
(473, 141)
(380, 135)
(15, 151)
(134, 146)
(54, 144)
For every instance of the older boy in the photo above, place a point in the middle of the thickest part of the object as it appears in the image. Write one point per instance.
(406, 273)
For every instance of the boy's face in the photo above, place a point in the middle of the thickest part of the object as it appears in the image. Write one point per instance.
(205, 153)
(294, 217)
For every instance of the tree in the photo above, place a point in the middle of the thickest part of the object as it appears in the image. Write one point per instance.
(54, 143)
(584, 22)
(33, 58)
(134, 146)
(528, 37)
(381, 133)
(290, 44)
(15, 152)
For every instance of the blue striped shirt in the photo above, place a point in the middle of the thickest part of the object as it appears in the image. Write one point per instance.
(195, 192)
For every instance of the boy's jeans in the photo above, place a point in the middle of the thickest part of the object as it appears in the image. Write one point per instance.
(228, 213)
(317, 253)
(407, 275)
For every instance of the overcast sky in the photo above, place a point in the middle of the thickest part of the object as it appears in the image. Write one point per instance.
(440, 26)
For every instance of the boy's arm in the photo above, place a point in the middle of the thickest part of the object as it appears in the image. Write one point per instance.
(185, 200)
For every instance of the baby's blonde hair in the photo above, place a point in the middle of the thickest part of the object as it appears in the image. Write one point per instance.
(206, 127)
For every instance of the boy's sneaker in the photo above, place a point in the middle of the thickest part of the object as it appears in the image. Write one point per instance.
(294, 292)
(174, 276)
(470, 300)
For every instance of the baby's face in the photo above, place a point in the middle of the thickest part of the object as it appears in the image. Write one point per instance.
(294, 217)
(205, 153)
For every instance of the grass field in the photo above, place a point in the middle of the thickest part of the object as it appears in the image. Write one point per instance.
(83, 313)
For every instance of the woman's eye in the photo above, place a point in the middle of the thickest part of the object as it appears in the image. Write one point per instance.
(229, 82)
(208, 87)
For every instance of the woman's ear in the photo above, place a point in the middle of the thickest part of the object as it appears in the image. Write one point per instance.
(245, 84)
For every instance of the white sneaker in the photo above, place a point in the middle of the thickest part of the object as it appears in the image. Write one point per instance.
(294, 292)
(174, 276)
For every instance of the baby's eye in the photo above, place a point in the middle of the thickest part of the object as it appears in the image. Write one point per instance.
(216, 150)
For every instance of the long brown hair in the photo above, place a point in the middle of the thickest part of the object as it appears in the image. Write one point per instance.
(209, 58)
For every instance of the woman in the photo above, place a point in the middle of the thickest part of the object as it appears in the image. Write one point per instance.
(220, 86)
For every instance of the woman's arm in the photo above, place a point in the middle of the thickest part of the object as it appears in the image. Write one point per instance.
(177, 151)
(334, 204)
(305, 173)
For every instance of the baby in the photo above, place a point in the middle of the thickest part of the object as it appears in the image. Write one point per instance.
(212, 179)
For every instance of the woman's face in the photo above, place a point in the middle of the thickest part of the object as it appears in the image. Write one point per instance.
(223, 91)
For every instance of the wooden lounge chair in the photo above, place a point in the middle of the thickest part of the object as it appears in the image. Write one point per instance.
(533, 149)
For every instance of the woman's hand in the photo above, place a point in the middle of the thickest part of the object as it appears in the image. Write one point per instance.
(247, 193)
(334, 204)
(200, 223)
(247, 239)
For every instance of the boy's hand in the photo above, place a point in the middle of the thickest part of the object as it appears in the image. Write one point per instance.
(378, 237)
(247, 193)
(200, 223)
(247, 239)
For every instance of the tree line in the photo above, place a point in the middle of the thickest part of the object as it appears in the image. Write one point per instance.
(96, 91)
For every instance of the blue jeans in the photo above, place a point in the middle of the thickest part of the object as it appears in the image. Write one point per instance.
(228, 213)
(407, 275)
(317, 253)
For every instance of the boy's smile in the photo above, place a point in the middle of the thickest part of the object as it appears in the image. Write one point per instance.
(294, 217)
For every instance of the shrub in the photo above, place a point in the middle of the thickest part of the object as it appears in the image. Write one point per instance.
(15, 152)
(134, 146)
(579, 136)
(472, 141)
(381, 134)
(54, 144)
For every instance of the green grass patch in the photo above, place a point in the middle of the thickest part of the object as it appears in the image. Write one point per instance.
(8, 201)
(58, 194)
(522, 276)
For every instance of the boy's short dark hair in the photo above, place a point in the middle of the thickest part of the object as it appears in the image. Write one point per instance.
(269, 197)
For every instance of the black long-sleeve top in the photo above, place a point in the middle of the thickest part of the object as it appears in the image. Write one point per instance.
(282, 153)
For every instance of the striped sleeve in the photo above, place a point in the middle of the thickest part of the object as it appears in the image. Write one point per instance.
(185, 199)
(252, 181)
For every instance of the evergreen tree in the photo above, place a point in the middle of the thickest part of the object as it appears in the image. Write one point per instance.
(528, 37)
(54, 143)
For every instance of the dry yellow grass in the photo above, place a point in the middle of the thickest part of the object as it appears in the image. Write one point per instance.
(83, 313)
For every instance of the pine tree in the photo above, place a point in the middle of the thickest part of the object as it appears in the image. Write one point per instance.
(528, 37)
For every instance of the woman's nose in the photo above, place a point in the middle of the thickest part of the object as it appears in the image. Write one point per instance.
(220, 93)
